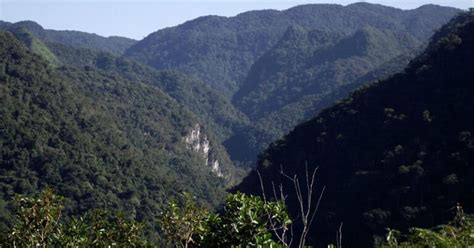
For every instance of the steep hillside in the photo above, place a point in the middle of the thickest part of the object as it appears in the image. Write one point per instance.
(221, 118)
(34, 45)
(100, 140)
(308, 70)
(397, 153)
(114, 44)
(247, 143)
(220, 51)
(315, 63)
(215, 110)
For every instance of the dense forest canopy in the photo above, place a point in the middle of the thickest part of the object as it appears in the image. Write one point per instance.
(309, 70)
(396, 153)
(290, 64)
(214, 109)
(131, 126)
(98, 139)
(282, 67)
(220, 51)
(114, 44)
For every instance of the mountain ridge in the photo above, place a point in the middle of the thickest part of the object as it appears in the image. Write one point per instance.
(394, 154)
(223, 51)
(113, 44)
(308, 70)
(252, 33)
(100, 140)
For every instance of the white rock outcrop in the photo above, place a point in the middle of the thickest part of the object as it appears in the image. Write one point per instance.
(197, 141)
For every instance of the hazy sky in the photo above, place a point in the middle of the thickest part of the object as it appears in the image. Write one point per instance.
(136, 19)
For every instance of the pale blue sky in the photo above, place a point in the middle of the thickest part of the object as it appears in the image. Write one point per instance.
(136, 19)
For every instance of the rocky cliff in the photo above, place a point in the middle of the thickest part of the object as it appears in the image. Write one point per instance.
(197, 141)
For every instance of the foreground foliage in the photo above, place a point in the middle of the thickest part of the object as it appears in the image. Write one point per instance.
(456, 234)
(40, 223)
(397, 153)
(245, 221)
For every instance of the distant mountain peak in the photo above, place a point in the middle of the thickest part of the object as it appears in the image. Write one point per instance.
(431, 6)
(221, 50)
(30, 25)
(369, 5)
(114, 44)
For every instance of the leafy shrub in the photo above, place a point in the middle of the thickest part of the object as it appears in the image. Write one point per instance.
(39, 224)
(244, 221)
(458, 233)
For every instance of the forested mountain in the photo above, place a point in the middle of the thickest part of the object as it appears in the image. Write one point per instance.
(215, 110)
(220, 51)
(100, 140)
(221, 118)
(305, 70)
(128, 125)
(114, 44)
(282, 67)
(242, 138)
(247, 143)
(35, 45)
(395, 154)
(308, 63)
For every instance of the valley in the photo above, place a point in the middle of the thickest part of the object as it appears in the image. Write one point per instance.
(377, 99)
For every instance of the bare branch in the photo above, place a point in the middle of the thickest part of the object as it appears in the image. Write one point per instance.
(278, 229)
(261, 186)
(307, 209)
(339, 237)
(317, 205)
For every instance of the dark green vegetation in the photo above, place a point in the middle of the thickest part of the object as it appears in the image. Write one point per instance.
(457, 233)
(99, 139)
(282, 67)
(109, 132)
(309, 70)
(313, 64)
(250, 221)
(115, 45)
(261, 54)
(220, 51)
(40, 223)
(35, 45)
(246, 221)
(220, 116)
(395, 154)
(212, 108)
(247, 143)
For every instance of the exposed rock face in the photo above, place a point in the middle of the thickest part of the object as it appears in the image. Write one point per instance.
(197, 141)
(216, 168)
